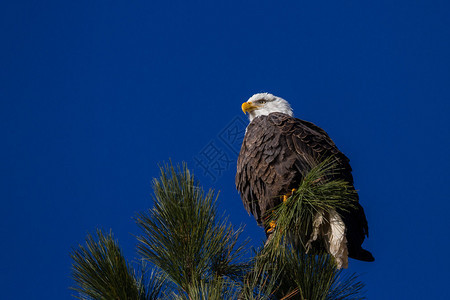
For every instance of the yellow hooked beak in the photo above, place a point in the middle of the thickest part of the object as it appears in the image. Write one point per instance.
(248, 107)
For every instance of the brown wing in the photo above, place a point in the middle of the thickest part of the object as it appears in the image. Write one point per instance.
(277, 150)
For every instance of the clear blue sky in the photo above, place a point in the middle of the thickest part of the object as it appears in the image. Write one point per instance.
(94, 94)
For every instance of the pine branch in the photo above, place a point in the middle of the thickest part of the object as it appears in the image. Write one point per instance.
(319, 192)
(285, 259)
(294, 274)
(101, 272)
(198, 256)
(261, 282)
(183, 236)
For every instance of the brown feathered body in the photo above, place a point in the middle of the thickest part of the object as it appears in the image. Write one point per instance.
(276, 153)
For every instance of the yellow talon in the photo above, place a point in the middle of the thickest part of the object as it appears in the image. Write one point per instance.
(285, 197)
(272, 226)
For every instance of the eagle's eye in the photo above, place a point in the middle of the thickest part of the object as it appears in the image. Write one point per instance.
(262, 101)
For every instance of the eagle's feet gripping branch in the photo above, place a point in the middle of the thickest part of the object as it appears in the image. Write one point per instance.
(271, 228)
(272, 223)
(285, 197)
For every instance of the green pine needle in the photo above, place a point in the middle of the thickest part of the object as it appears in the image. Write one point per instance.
(318, 192)
(284, 258)
(197, 255)
(101, 271)
(183, 236)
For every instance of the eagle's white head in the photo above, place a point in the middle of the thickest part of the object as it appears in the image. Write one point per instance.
(263, 104)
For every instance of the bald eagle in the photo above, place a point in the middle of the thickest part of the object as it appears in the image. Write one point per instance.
(275, 155)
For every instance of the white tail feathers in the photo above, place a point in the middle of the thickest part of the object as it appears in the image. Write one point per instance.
(331, 229)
